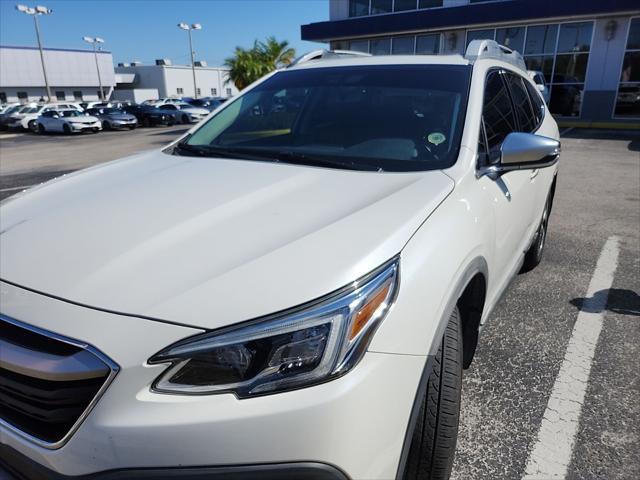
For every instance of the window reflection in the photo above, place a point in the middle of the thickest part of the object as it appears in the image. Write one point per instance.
(403, 46)
(480, 35)
(428, 44)
(575, 37)
(380, 46)
(512, 37)
(541, 39)
(628, 97)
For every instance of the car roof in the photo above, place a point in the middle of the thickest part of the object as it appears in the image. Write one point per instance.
(358, 60)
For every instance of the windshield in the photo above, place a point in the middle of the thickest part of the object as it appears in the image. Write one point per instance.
(71, 113)
(111, 111)
(30, 110)
(386, 117)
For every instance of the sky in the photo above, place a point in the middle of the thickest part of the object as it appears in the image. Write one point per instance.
(145, 30)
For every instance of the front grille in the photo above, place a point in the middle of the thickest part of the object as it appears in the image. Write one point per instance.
(47, 383)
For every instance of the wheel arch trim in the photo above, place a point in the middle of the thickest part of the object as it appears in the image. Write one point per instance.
(477, 265)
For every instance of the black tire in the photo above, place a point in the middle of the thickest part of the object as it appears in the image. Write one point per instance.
(146, 122)
(132, 127)
(66, 129)
(95, 130)
(33, 126)
(41, 129)
(185, 119)
(533, 257)
(106, 125)
(433, 443)
(171, 122)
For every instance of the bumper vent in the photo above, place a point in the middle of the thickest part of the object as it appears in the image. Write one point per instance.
(48, 383)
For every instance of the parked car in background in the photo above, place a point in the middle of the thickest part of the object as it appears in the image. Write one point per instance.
(111, 103)
(162, 101)
(67, 121)
(149, 116)
(541, 84)
(210, 103)
(114, 118)
(183, 112)
(6, 114)
(26, 119)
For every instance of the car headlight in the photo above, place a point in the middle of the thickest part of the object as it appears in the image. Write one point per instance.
(300, 347)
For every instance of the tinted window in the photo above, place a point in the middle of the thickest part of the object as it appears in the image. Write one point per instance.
(536, 101)
(358, 8)
(380, 6)
(400, 5)
(497, 111)
(393, 117)
(526, 120)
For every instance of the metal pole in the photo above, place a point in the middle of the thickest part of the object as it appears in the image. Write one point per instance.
(44, 70)
(95, 54)
(193, 66)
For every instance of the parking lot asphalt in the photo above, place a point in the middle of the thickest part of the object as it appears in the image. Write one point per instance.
(523, 347)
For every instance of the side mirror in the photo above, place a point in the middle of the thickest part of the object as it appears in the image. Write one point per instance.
(541, 87)
(523, 151)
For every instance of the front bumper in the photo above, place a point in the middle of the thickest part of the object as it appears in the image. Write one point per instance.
(79, 127)
(355, 424)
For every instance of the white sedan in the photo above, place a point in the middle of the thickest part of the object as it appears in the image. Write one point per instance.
(67, 121)
(184, 113)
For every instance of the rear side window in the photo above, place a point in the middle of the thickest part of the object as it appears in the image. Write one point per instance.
(526, 119)
(499, 118)
(536, 101)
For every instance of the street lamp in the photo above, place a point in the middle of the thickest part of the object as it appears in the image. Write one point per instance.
(36, 12)
(94, 41)
(188, 28)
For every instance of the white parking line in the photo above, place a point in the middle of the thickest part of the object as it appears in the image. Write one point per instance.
(552, 452)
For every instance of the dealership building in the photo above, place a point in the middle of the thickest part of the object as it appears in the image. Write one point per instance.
(72, 74)
(170, 80)
(588, 50)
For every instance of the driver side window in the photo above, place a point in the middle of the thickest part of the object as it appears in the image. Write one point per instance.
(497, 113)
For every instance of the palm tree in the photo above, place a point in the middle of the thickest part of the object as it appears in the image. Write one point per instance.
(248, 65)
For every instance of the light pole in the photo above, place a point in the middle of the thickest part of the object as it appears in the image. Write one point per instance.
(188, 28)
(36, 12)
(94, 41)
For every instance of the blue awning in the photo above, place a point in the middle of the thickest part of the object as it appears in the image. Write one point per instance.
(464, 16)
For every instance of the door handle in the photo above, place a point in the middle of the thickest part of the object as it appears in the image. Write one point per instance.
(534, 173)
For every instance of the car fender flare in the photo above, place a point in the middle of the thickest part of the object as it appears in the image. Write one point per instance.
(476, 265)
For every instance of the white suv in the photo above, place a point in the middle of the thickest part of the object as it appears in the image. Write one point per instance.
(291, 290)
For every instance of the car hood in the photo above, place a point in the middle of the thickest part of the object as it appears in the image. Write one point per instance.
(208, 242)
(83, 119)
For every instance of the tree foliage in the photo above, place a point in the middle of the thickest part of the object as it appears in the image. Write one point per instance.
(248, 65)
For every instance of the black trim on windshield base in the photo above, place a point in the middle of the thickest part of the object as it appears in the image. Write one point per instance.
(25, 468)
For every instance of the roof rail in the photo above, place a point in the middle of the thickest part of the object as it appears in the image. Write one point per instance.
(478, 49)
(326, 54)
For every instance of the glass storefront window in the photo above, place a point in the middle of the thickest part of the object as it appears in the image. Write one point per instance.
(631, 67)
(358, 8)
(566, 100)
(541, 64)
(429, 3)
(628, 97)
(380, 46)
(575, 37)
(511, 37)
(402, 5)
(571, 68)
(381, 6)
(402, 45)
(633, 42)
(428, 44)
(541, 39)
(480, 35)
(359, 46)
(628, 100)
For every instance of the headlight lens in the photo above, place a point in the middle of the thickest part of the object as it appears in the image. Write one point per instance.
(301, 347)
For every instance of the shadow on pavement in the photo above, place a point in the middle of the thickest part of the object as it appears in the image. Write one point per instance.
(620, 300)
(633, 136)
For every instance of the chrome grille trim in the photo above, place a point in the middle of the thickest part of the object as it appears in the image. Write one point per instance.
(114, 368)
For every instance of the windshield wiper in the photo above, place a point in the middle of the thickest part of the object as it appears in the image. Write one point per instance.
(272, 155)
(222, 152)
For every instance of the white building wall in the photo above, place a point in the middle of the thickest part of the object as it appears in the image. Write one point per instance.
(168, 79)
(68, 71)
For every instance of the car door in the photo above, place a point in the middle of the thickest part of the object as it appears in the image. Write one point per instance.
(511, 195)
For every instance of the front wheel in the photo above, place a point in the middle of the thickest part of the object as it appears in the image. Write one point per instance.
(66, 129)
(185, 119)
(434, 438)
(33, 126)
(533, 257)
(41, 129)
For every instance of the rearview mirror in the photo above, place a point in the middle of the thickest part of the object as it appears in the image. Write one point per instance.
(523, 151)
